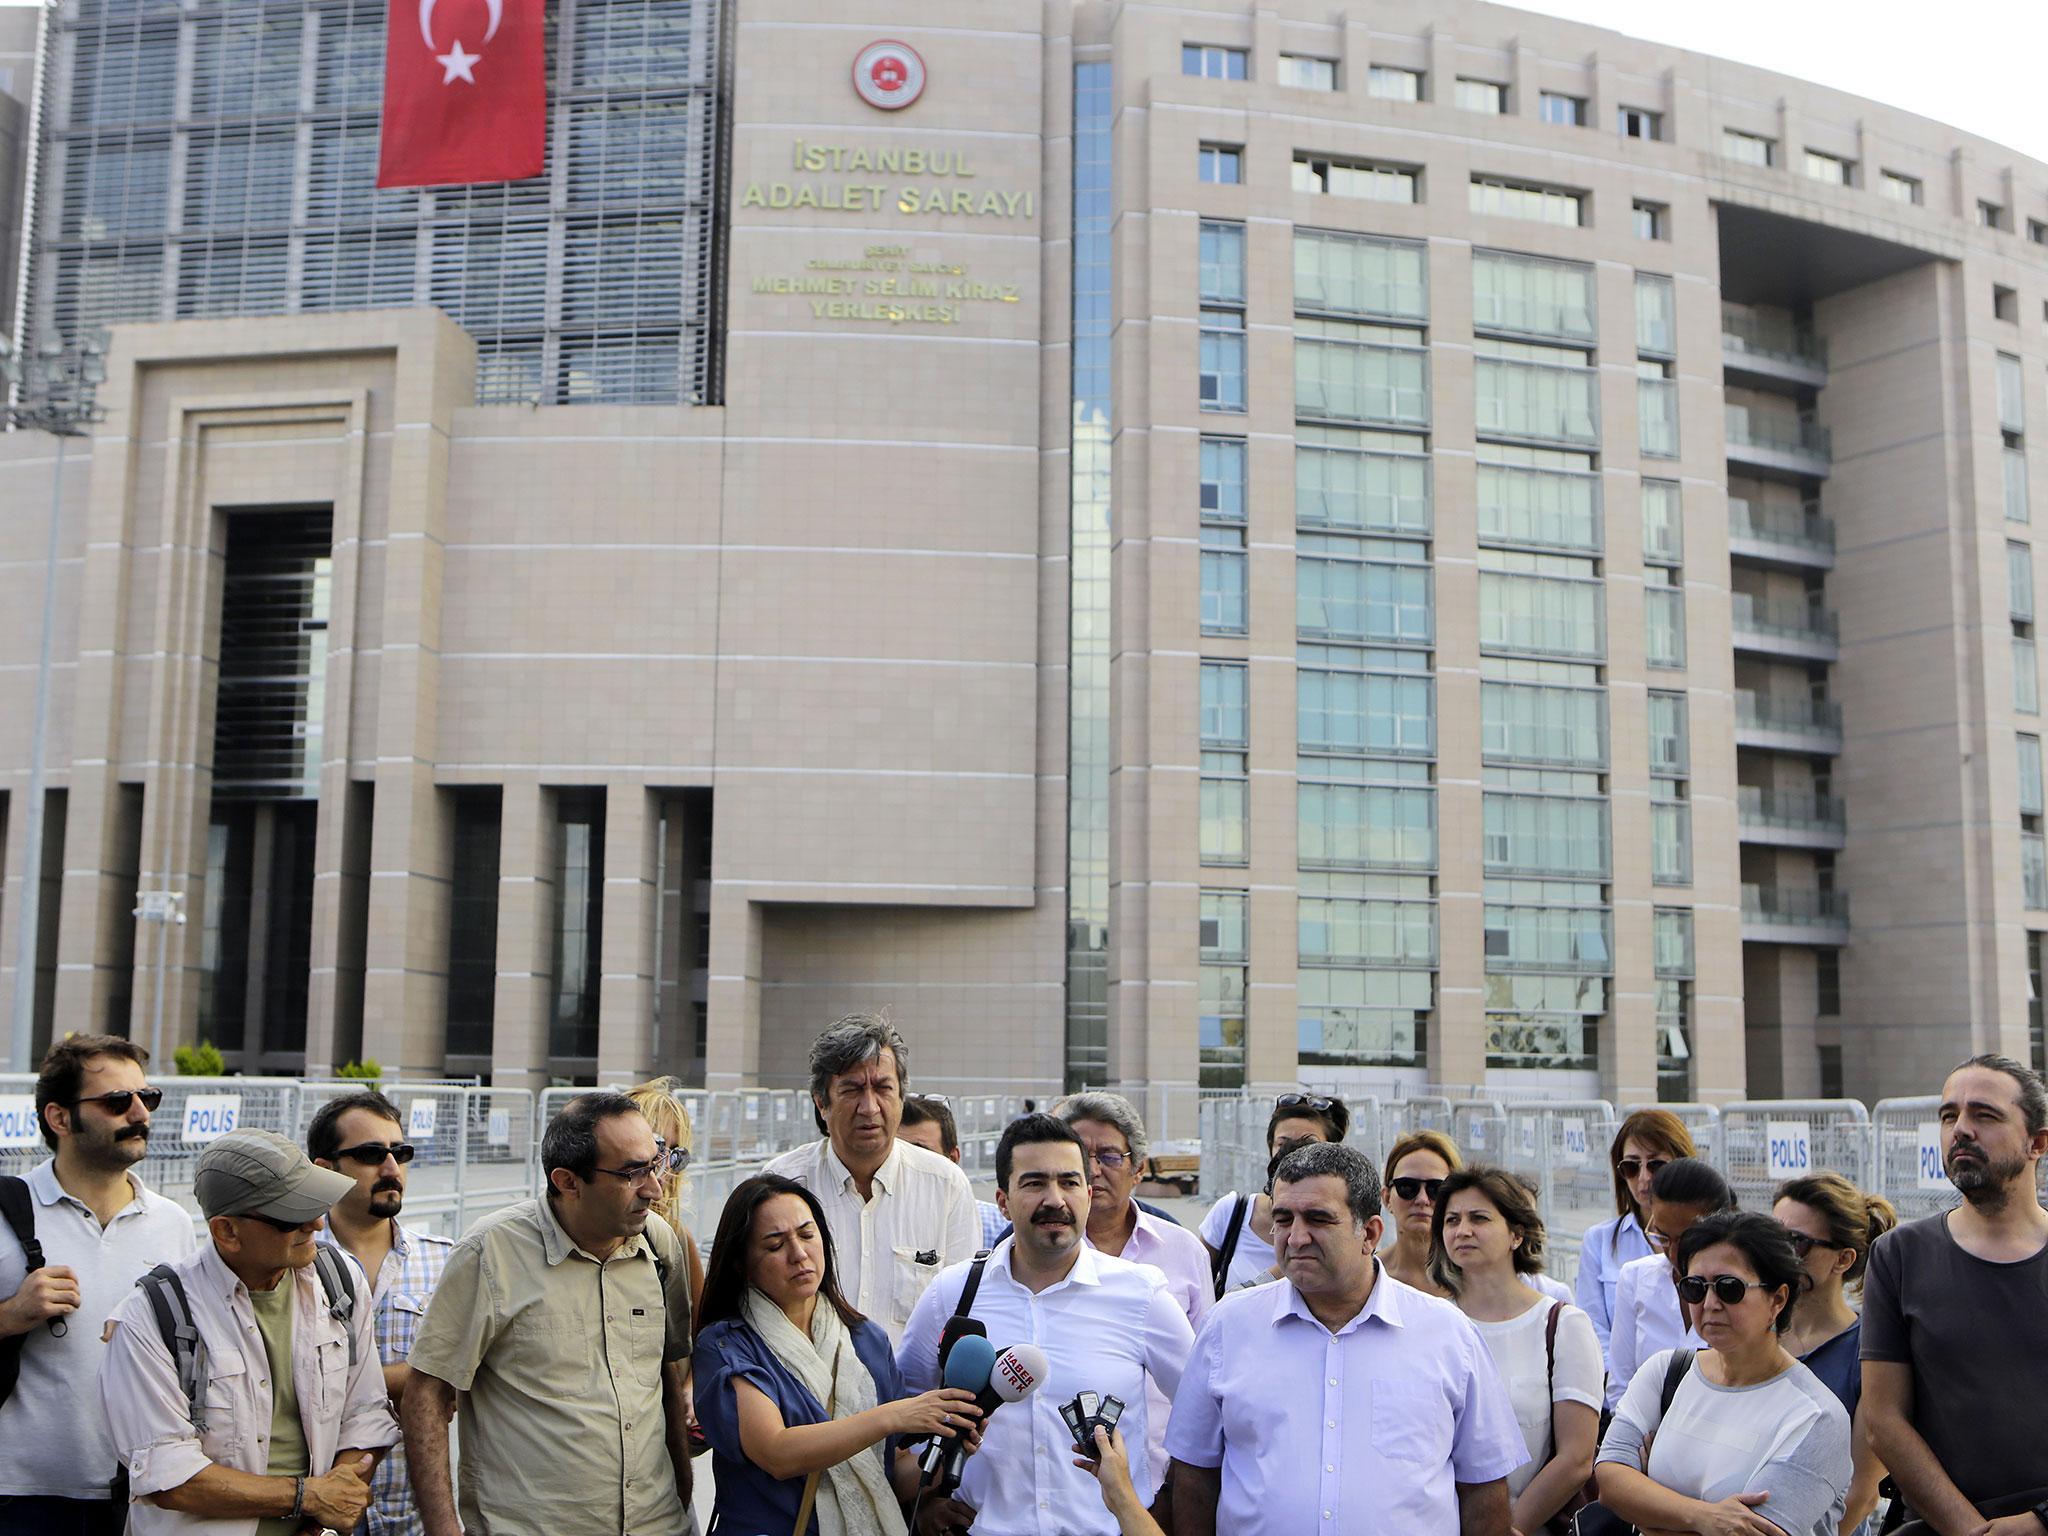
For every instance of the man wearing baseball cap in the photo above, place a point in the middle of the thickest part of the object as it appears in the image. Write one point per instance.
(293, 1412)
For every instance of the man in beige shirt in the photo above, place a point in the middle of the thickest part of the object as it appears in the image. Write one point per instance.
(563, 1327)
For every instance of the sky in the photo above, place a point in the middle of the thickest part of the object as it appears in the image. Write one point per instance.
(1977, 68)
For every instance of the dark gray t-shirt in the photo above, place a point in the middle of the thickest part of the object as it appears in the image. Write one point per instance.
(1976, 1335)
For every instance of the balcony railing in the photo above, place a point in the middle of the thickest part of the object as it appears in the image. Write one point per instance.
(1779, 434)
(1783, 618)
(1772, 338)
(1778, 906)
(1819, 719)
(1793, 810)
(1802, 527)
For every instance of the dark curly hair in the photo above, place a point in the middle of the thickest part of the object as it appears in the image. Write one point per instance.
(1767, 1245)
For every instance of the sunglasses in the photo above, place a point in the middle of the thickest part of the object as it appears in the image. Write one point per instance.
(371, 1153)
(1629, 1167)
(1730, 1288)
(1803, 1245)
(1315, 1102)
(1408, 1189)
(118, 1101)
(276, 1224)
(668, 1160)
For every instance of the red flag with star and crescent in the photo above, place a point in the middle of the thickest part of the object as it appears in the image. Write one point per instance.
(465, 92)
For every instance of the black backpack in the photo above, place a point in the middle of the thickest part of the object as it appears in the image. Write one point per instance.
(18, 1208)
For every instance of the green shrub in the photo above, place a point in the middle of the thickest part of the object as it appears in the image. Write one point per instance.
(368, 1071)
(201, 1060)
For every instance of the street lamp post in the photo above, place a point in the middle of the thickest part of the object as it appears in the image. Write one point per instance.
(55, 394)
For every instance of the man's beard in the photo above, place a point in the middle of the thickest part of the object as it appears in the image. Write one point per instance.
(386, 1201)
(121, 1148)
(1984, 1182)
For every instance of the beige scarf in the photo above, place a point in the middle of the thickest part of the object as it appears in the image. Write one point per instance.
(855, 1497)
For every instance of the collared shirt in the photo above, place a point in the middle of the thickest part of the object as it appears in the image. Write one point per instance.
(341, 1407)
(1179, 1255)
(886, 1250)
(1647, 1318)
(53, 1436)
(993, 1223)
(1363, 1432)
(399, 1293)
(559, 1356)
(1607, 1246)
(1106, 1328)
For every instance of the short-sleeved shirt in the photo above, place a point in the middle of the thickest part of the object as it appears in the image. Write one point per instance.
(1975, 1333)
(1521, 1353)
(1252, 1257)
(559, 1357)
(1787, 1437)
(53, 1434)
(1839, 1365)
(1366, 1431)
(730, 1351)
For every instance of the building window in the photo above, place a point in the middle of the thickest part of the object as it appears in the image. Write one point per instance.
(473, 920)
(1832, 169)
(1221, 165)
(1366, 826)
(2019, 576)
(1373, 183)
(1670, 834)
(1663, 522)
(1222, 360)
(1672, 931)
(1562, 724)
(1656, 315)
(1482, 96)
(1390, 84)
(2005, 303)
(1652, 220)
(1354, 713)
(1375, 591)
(2013, 463)
(1541, 605)
(1361, 275)
(1208, 62)
(1641, 123)
(1663, 620)
(1521, 200)
(1565, 111)
(1748, 148)
(579, 924)
(1224, 574)
(1538, 394)
(1355, 481)
(1222, 261)
(1900, 189)
(1308, 74)
(1538, 496)
(1533, 296)
(2037, 231)
(1656, 409)
(1223, 479)
(1224, 952)
(2012, 395)
(1992, 215)
(2030, 776)
(2026, 673)
(1375, 374)
(1225, 788)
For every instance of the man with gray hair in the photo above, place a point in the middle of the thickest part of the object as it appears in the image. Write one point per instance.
(898, 1214)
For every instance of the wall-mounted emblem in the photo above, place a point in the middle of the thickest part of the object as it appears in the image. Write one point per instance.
(888, 75)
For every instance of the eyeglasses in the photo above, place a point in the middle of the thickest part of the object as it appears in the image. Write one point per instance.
(1109, 1160)
(668, 1160)
(1317, 1102)
(1408, 1189)
(1629, 1167)
(118, 1101)
(275, 1223)
(1730, 1288)
(1803, 1245)
(371, 1153)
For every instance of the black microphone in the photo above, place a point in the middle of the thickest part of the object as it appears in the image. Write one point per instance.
(1016, 1375)
(955, 1330)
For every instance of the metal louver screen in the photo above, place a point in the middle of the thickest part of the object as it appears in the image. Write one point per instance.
(219, 158)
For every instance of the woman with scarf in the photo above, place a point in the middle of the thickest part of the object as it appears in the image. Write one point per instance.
(799, 1394)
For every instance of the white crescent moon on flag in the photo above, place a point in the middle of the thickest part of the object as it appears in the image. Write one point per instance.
(496, 7)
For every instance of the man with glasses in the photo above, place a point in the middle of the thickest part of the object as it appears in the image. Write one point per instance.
(563, 1325)
(272, 1422)
(100, 1230)
(360, 1134)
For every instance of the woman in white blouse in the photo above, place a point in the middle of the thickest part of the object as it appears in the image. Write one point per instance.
(1644, 1143)
(1486, 1242)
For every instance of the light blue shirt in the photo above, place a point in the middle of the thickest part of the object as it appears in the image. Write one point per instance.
(1363, 1432)
(1607, 1246)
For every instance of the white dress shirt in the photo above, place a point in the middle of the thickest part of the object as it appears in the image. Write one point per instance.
(1107, 1328)
(339, 1408)
(53, 1436)
(1646, 1319)
(1603, 1250)
(1179, 1255)
(1363, 1432)
(886, 1250)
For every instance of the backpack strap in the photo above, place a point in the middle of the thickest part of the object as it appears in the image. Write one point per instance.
(1219, 1262)
(973, 1285)
(339, 1282)
(173, 1309)
(1674, 1373)
(18, 1206)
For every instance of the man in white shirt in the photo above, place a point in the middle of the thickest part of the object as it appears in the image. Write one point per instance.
(1106, 1325)
(898, 1214)
(1339, 1399)
(293, 1406)
(100, 1230)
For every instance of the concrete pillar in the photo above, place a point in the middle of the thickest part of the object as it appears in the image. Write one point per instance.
(733, 1025)
(405, 970)
(526, 918)
(625, 1021)
(1524, 94)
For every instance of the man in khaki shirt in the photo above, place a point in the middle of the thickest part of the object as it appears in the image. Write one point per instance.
(563, 1325)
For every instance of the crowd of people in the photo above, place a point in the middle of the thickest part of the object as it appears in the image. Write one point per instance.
(866, 1348)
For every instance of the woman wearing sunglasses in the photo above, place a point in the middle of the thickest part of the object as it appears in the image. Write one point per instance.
(1832, 1225)
(1238, 1231)
(1647, 1314)
(798, 1393)
(1645, 1142)
(1753, 1443)
(1485, 1247)
(1417, 1165)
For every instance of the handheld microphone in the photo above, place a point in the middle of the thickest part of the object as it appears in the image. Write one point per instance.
(956, 1329)
(1017, 1373)
(969, 1365)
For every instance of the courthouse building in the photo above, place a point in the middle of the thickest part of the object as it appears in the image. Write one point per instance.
(1232, 543)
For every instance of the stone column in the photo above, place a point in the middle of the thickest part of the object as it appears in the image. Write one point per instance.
(526, 918)
(625, 1022)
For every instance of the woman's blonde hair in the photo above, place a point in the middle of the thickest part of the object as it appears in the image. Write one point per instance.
(1423, 1141)
(656, 1099)
(1854, 1219)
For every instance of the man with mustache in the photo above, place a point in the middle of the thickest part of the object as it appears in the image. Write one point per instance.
(1955, 1319)
(100, 1229)
(563, 1326)
(361, 1135)
(1106, 1325)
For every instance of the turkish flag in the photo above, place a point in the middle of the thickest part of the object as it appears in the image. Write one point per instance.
(465, 92)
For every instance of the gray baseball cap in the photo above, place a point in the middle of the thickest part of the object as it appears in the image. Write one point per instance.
(260, 1173)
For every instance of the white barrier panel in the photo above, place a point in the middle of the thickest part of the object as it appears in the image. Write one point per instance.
(1767, 1141)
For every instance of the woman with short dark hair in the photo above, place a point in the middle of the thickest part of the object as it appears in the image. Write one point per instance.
(799, 1394)
(1238, 1231)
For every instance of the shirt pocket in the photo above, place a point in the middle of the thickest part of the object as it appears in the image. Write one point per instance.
(330, 1372)
(553, 1353)
(227, 1391)
(400, 1326)
(1409, 1422)
(912, 1276)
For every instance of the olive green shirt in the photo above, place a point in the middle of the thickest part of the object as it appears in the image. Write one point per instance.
(559, 1359)
(288, 1455)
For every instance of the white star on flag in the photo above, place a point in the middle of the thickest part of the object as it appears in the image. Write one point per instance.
(457, 63)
